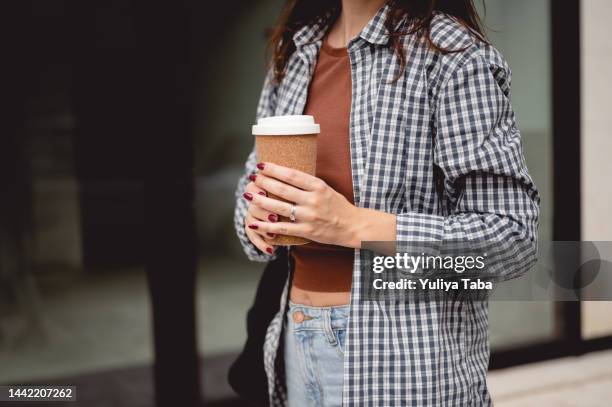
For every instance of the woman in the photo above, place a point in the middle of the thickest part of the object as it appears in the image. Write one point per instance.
(418, 143)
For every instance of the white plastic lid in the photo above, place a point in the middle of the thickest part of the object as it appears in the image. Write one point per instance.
(286, 125)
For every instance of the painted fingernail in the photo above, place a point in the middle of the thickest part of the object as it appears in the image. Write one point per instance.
(248, 196)
(252, 177)
(269, 250)
(270, 234)
(253, 226)
(262, 193)
(261, 166)
(272, 218)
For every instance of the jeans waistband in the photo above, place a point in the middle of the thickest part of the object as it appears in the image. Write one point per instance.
(317, 318)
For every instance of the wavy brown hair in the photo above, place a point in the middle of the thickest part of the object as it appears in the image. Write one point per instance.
(419, 13)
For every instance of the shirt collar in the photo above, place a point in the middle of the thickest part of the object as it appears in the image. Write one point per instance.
(374, 32)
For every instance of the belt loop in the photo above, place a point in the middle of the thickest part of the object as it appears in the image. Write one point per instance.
(327, 326)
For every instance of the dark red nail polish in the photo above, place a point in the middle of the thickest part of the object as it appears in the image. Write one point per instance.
(252, 177)
(248, 196)
(253, 226)
(261, 166)
(262, 193)
(272, 218)
(269, 250)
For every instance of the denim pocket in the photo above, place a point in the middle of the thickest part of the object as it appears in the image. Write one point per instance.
(340, 335)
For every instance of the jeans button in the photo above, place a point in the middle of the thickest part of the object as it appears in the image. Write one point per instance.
(298, 316)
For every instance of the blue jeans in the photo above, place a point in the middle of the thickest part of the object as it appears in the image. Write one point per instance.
(314, 354)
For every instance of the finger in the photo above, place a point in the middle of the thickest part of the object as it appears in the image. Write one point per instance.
(269, 241)
(254, 189)
(290, 176)
(281, 228)
(257, 211)
(261, 213)
(259, 242)
(278, 188)
(282, 208)
(249, 223)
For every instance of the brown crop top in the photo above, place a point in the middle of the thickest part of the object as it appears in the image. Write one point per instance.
(321, 267)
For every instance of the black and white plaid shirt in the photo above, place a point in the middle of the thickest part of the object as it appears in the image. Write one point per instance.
(439, 148)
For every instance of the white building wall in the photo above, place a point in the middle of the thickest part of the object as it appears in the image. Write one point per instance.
(596, 160)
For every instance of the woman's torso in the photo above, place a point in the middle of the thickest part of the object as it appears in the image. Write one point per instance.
(323, 272)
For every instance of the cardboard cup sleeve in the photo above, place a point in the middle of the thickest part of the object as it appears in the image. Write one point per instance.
(293, 151)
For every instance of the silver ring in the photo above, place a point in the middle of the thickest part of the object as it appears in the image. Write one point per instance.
(292, 214)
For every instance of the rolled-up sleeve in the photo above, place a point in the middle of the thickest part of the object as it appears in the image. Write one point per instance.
(265, 108)
(485, 184)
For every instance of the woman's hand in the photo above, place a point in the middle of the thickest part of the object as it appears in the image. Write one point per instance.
(322, 214)
(257, 236)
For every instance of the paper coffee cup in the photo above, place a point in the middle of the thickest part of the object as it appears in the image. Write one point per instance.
(290, 141)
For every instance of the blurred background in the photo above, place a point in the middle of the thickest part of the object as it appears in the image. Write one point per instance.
(127, 127)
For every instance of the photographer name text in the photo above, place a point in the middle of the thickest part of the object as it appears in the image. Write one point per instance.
(438, 284)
